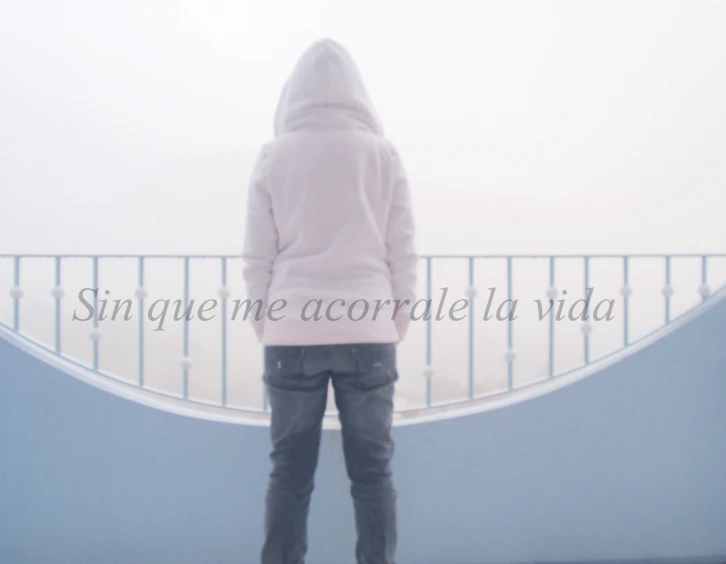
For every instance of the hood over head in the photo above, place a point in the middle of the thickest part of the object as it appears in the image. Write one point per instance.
(325, 89)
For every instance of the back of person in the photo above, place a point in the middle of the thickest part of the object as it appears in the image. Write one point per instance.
(329, 214)
(330, 240)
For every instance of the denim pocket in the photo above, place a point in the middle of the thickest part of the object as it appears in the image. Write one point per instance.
(283, 366)
(375, 364)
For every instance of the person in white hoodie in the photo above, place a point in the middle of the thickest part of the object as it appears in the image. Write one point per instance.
(330, 261)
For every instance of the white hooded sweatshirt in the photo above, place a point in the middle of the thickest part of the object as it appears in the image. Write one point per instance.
(329, 215)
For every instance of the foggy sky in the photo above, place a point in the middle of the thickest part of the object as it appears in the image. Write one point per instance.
(525, 127)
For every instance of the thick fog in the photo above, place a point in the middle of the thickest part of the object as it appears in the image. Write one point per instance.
(525, 127)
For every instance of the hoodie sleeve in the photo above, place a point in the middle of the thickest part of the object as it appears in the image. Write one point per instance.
(403, 257)
(260, 243)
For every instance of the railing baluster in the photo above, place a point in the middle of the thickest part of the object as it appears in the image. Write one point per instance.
(58, 296)
(585, 315)
(428, 332)
(626, 282)
(16, 298)
(140, 295)
(95, 313)
(223, 296)
(552, 319)
(471, 327)
(510, 333)
(186, 327)
(704, 278)
(668, 288)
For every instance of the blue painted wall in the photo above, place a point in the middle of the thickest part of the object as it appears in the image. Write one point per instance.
(629, 463)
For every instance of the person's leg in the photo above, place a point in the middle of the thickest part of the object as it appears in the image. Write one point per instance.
(365, 405)
(297, 405)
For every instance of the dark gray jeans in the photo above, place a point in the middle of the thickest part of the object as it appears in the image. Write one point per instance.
(297, 380)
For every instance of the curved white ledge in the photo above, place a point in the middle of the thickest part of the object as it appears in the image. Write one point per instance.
(200, 410)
